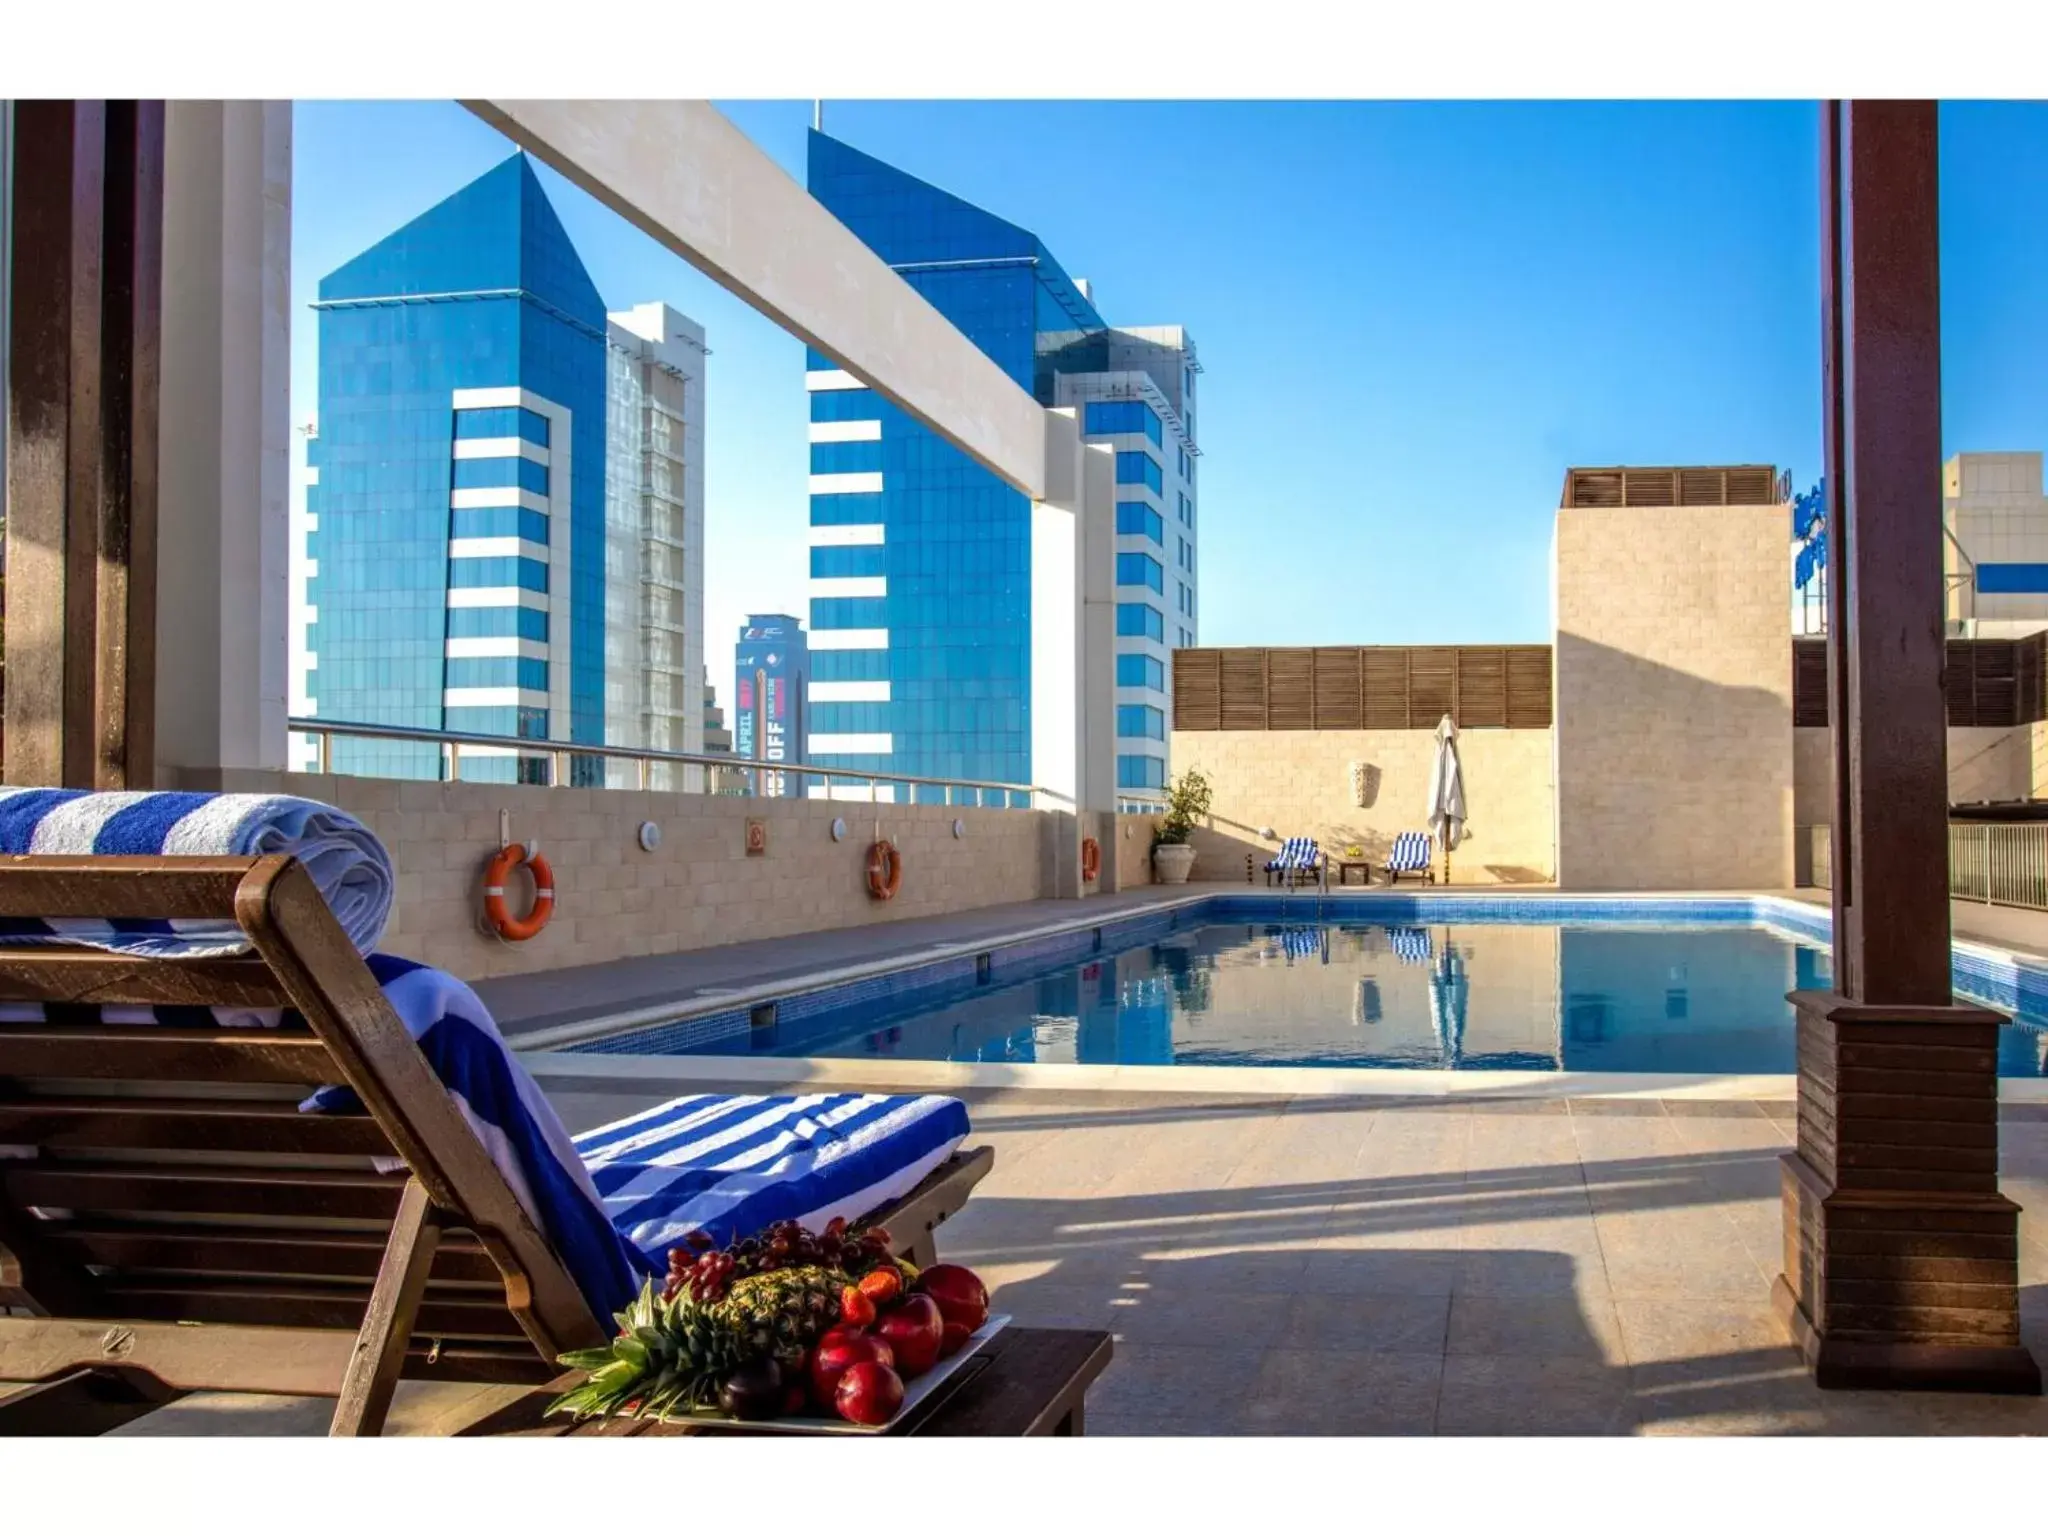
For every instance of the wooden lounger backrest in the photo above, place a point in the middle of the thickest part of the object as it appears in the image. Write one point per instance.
(169, 1173)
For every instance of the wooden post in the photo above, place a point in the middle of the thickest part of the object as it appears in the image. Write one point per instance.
(82, 443)
(1901, 1255)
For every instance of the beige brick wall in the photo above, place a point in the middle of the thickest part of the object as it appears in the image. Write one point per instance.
(1674, 698)
(697, 889)
(1299, 784)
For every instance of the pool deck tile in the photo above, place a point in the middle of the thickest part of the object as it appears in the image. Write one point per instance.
(1432, 1271)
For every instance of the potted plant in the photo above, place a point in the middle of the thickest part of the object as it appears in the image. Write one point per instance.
(1187, 801)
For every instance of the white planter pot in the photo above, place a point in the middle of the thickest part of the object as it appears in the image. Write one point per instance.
(1172, 862)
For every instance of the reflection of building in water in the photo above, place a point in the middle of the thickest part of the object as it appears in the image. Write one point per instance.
(1500, 1000)
(1708, 1000)
(1369, 1010)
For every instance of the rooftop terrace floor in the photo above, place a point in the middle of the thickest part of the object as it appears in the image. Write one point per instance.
(1275, 1264)
(1386, 1267)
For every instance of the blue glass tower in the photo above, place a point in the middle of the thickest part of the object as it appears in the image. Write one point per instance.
(921, 558)
(456, 502)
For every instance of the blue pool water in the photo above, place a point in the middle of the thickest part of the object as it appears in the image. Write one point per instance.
(1693, 996)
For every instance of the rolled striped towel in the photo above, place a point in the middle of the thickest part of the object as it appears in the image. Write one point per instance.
(347, 863)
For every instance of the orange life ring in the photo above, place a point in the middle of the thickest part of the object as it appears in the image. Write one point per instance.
(885, 870)
(518, 929)
(1091, 858)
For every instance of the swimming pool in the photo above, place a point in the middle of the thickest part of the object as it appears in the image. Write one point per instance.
(1431, 982)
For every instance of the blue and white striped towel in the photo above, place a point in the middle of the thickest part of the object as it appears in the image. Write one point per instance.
(500, 1102)
(615, 1200)
(1295, 853)
(733, 1165)
(1411, 851)
(342, 855)
(727, 1165)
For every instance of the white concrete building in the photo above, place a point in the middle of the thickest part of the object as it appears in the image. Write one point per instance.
(1995, 550)
(654, 536)
(1142, 406)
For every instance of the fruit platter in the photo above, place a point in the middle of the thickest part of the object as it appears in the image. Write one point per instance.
(811, 1332)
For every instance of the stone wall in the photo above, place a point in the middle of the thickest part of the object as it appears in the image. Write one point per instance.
(1673, 699)
(698, 888)
(1298, 784)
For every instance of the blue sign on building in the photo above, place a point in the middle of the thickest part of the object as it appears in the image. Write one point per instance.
(771, 673)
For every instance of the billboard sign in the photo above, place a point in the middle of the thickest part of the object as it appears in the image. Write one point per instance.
(770, 669)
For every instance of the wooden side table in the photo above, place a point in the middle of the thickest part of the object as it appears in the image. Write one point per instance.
(1345, 866)
(1027, 1381)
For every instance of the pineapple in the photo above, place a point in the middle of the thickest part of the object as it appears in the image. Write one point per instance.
(782, 1313)
(667, 1355)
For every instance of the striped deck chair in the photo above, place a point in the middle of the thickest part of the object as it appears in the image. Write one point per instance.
(1301, 943)
(177, 1215)
(1410, 855)
(1411, 946)
(1298, 860)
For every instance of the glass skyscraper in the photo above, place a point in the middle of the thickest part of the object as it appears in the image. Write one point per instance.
(468, 566)
(921, 559)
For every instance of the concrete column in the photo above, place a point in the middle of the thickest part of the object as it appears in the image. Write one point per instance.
(1097, 699)
(223, 578)
(1057, 685)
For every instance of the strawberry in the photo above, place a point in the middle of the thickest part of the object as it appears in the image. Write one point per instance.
(882, 1286)
(855, 1307)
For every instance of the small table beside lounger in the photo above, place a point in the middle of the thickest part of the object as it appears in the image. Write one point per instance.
(1025, 1381)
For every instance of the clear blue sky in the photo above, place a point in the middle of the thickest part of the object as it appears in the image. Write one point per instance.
(1413, 317)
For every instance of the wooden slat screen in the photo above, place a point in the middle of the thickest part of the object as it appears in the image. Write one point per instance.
(1385, 670)
(1809, 682)
(1985, 683)
(1651, 487)
(1290, 690)
(1482, 687)
(1244, 689)
(1340, 702)
(1528, 687)
(1432, 684)
(1373, 687)
(1198, 691)
(1700, 485)
(1750, 486)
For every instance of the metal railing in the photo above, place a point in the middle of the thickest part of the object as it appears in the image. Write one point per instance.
(1140, 802)
(752, 773)
(2002, 864)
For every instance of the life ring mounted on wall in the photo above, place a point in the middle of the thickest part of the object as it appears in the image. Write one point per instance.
(885, 869)
(516, 930)
(1091, 859)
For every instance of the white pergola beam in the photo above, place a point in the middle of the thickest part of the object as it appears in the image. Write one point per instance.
(683, 173)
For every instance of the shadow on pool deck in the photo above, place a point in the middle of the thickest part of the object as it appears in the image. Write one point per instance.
(1310, 1266)
(1428, 1293)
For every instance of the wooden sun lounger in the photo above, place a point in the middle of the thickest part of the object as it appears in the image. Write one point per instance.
(170, 1179)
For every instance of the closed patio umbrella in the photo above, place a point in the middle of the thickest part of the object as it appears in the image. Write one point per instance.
(1446, 794)
(1449, 991)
